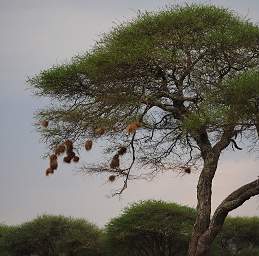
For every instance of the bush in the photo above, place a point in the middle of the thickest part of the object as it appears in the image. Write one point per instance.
(150, 228)
(160, 228)
(145, 228)
(240, 236)
(54, 235)
(4, 229)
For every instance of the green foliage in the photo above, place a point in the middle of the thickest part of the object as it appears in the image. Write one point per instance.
(4, 229)
(149, 225)
(188, 74)
(144, 228)
(151, 37)
(82, 238)
(201, 46)
(53, 235)
(154, 227)
(236, 101)
(240, 236)
(241, 95)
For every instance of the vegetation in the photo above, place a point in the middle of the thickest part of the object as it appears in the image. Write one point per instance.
(53, 235)
(4, 230)
(240, 236)
(146, 228)
(183, 82)
(160, 228)
(151, 228)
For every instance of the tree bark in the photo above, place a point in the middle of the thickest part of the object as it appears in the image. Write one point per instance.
(204, 191)
(233, 201)
(210, 157)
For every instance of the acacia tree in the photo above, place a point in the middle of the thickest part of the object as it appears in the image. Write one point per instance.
(53, 235)
(150, 228)
(183, 82)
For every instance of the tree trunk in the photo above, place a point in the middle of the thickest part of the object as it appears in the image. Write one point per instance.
(203, 241)
(206, 229)
(204, 191)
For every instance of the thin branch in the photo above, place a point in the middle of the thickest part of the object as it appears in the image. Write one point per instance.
(130, 167)
(226, 137)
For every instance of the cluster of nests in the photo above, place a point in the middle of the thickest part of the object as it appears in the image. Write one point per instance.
(67, 147)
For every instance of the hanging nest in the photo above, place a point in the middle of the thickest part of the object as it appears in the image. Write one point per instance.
(53, 157)
(71, 154)
(88, 145)
(100, 131)
(122, 151)
(53, 162)
(115, 163)
(132, 127)
(76, 159)
(53, 165)
(69, 145)
(67, 159)
(60, 149)
(187, 170)
(49, 171)
(112, 178)
(44, 123)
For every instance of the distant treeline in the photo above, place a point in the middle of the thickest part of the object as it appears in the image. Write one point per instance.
(148, 228)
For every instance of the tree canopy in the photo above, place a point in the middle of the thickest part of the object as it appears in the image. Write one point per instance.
(159, 69)
(53, 235)
(162, 228)
(151, 228)
(174, 89)
(144, 228)
(239, 236)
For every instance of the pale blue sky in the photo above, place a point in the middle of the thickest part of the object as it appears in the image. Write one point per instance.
(37, 34)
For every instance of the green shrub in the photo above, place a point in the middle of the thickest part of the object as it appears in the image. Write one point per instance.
(54, 235)
(150, 228)
(4, 229)
(240, 236)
